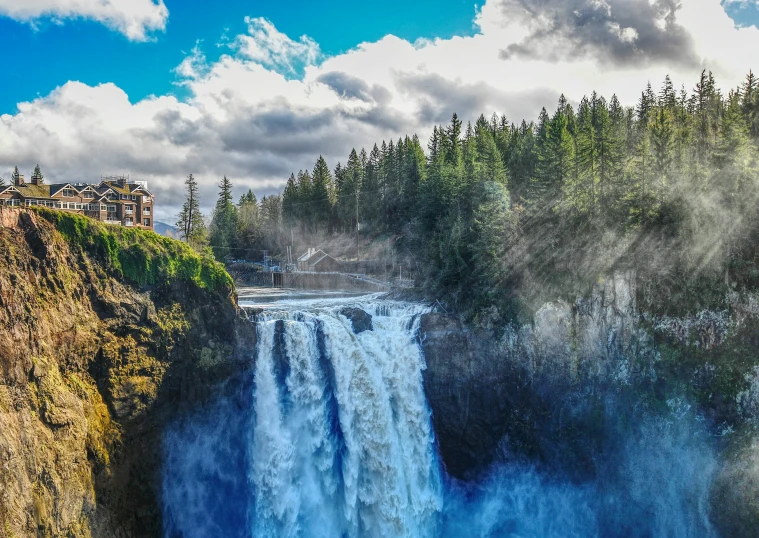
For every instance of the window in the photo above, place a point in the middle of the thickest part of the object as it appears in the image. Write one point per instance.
(69, 193)
(88, 194)
(146, 211)
(134, 197)
(112, 209)
(146, 222)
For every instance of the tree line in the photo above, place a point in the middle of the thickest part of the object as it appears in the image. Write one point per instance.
(495, 210)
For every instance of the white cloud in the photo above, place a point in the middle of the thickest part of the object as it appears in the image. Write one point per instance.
(273, 104)
(133, 18)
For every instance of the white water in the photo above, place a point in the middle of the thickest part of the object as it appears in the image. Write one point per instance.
(343, 447)
(332, 438)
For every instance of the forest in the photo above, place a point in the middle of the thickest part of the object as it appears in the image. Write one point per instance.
(495, 217)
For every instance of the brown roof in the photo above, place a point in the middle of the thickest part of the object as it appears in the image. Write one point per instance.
(34, 191)
(115, 187)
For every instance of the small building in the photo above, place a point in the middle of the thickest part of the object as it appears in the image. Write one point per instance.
(115, 200)
(317, 261)
(302, 262)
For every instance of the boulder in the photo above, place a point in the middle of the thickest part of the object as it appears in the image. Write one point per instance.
(360, 320)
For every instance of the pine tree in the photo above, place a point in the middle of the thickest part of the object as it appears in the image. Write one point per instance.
(321, 188)
(667, 96)
(290, 203)
(192, 227)
(224, 222)
(750, 103)
(15, 176)
(555, 162)
(646, 104)
(248, 231)
(489, 163)
(37, 175)
(304, 185)
(662, 146)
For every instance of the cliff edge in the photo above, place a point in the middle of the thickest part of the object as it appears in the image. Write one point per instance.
(106, 334)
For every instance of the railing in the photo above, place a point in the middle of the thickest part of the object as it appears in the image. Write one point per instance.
(146, 211)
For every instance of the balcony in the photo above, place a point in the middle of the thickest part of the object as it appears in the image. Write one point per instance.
(146, 211)
(129, 212)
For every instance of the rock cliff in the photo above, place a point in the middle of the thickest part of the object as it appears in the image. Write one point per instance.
(559, 393)
(105, 336)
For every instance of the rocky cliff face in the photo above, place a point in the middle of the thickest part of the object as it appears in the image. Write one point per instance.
(557, 392)
(486, 388)
(91, 369)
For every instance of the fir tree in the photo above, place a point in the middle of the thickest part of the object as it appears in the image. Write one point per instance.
(224, 222)
(190, 221)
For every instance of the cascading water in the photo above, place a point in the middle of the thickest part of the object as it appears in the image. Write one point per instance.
(341, 443)
(329, 436)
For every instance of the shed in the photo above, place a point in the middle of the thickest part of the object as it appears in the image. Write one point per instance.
(318, 261)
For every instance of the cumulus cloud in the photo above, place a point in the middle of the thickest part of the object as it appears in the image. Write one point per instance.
(618, 32)
(273, 103)
(133, 18)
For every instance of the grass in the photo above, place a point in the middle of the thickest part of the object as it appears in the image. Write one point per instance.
(141, 257)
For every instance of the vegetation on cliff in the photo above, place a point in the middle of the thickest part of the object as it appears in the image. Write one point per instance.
(140, 256)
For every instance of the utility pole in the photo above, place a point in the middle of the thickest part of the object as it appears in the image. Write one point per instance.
(358, 258)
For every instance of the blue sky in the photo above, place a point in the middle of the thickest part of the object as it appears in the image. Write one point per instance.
(78, 81)
(47, 54)
(51, 54)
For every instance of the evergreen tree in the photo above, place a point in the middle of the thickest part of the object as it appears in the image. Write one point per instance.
(662, 135)
(248, 228)
(290, 203)
(192, 227)
(224, 222)
(37, 175)
(321, 188)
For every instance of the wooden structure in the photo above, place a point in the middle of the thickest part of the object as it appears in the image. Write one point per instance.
(115, 200)
(317, 261)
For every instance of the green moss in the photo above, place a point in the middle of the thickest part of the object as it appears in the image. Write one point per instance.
(140, 256)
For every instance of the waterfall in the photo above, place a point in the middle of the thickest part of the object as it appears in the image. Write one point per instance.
(328, 435)
(340, 439)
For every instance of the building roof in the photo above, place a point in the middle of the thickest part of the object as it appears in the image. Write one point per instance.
(128, 188)
(318, 257)
(57, 187)
(105, 185)
(34, 191)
